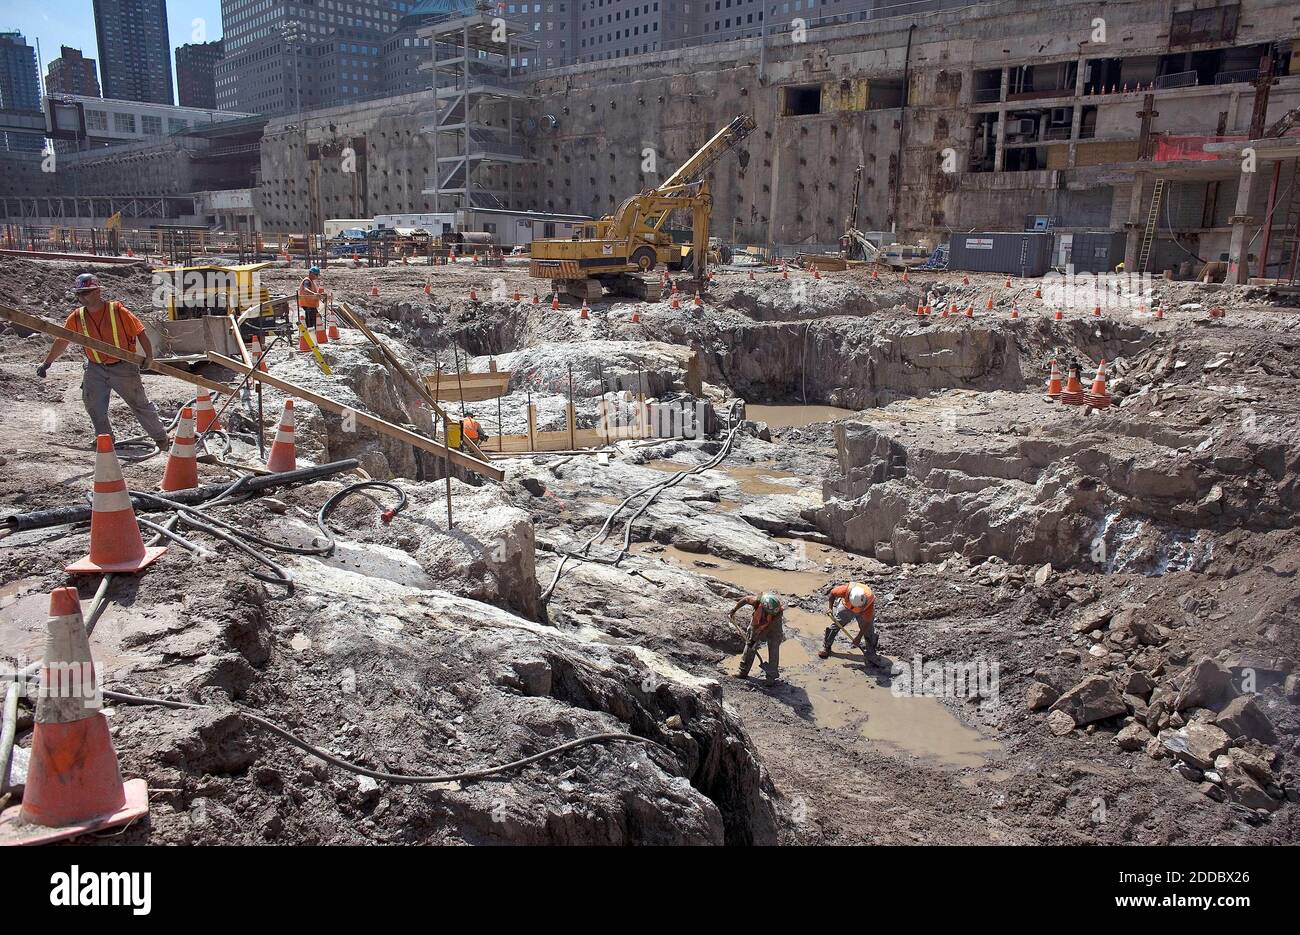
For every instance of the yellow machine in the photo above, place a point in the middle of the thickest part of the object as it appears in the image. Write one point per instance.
(633, 238)
(194, 291)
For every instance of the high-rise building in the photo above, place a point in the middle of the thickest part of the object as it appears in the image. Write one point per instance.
(280, 53)
(72, 73)
(20, 88)
(135, 59)
(196, 73)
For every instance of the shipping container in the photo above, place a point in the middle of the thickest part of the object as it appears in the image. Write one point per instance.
(1097, 251)
(1023, 253)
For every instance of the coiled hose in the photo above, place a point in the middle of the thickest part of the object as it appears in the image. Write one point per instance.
(400, 778)
(658, 487)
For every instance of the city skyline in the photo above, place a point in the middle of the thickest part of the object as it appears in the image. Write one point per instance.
(58, 23)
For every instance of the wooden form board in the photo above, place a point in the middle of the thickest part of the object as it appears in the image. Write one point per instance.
(569, 438)
(379, 425)
(475, 387)
(61, 333)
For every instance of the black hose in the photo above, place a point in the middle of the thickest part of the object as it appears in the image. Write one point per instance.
(322, 517)
(401, 778)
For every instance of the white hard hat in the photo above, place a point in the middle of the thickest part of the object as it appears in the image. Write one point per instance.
(858, 596)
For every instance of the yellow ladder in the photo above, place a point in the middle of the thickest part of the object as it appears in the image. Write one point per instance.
(1153, 218)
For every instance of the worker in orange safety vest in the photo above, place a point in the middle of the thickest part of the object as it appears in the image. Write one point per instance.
(857, 605)
(765, 626)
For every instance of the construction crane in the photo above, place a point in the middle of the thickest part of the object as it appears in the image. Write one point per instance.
(633, 238)
(853, 242)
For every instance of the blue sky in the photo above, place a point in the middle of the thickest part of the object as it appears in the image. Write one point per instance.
(72, 22)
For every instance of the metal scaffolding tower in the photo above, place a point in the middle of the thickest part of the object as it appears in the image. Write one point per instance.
(479, 103)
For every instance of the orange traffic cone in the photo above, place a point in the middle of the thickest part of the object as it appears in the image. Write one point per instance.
(988, 305)
(920, 309)
(322, 335)
(905, 276)
(636, 314)
(1096, 311)
(284, 455)
(816, 272)
(970, 311)
(699, 302)
(204, 414)
(74, 783)
(115, 543)
(585, 312)
(255, 352)
(785, 272)
(333, 331)
(302, 341)
(1054, 382)
(537, 299)
(182, 471)
(751, 275)
(965, 280)
(1073, 392)
(950, 310)
(515, 295)
(1160, 312)
(1038, 292)
(473, 294)
(555, 301)
(674, 288)
(428, 290)
(130, 252)
(1098, 398)
(1015, 312)
(374, 291)
(1007, 284)
(675, 302)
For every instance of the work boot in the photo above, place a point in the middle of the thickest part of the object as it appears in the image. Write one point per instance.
(827, 639)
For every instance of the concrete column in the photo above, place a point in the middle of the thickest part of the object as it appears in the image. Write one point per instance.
(1005, 85)
(1239, 243)
(1136, 223)
(1076, 115)
(999, 142)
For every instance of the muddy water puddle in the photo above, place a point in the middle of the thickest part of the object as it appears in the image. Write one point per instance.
(785, 417)
(761, 479)
(750, 577)
(844, 692)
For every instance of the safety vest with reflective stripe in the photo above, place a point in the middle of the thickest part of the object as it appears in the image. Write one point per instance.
(117, 339)
(307, 296)
(471, 428)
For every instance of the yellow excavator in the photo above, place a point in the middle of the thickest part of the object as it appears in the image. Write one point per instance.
(633, 238)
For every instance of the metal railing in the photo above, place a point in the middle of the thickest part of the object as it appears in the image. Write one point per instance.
(1180, 79)
(986, 95)
(1234, 77)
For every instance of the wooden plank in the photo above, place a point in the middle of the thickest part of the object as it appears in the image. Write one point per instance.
(379, 425)
(400, 369)
(472, 387)
(58, 331)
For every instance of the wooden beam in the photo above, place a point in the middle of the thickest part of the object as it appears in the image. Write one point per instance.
(379, 425)
(400, 369)
(63, 334)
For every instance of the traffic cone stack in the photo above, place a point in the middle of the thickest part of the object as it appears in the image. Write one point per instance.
(1054, 382)
(1073, 393)
(74, 783)
(255, 352)
(182, 470)
(284, 454)
(115, 542)
(205, 416)
(1098, 398)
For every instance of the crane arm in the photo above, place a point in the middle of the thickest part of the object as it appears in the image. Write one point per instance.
(693, 169)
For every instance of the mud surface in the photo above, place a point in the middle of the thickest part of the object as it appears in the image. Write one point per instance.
(1119, 584)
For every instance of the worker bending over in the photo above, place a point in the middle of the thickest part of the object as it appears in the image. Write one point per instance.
(857, 605)
(111, 323)
(764, 627)
(311, 292)
(472, 430)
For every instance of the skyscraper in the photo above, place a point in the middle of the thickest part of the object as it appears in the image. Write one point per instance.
(72, 73)
(135, 59)
(196, 75)
(20, 88)
(277, 51)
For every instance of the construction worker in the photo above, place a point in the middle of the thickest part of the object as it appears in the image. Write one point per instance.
(764, 627)
(857, 605)
(113, 324)
(472, 429)
(311, 292)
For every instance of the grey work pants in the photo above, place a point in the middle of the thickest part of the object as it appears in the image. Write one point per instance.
(98, 380)
(773, 638)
